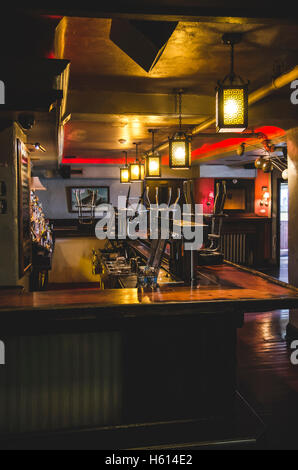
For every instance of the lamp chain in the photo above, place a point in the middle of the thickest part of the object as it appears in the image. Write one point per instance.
(232, 76)
(137, 152)
(180, 111)
(153, 143)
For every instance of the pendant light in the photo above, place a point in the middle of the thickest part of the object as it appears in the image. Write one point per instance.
(137, 169)
(180, 145)
(124, 172)
(153, 161)
(232, 96)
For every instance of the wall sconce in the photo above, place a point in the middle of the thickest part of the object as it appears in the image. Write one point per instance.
(39, 147)
(35, 147)
(210, 199)
(153, 161)
(180, 145)
(137, 169)
(232, 96)
(271, 163)
(266, 197)
(124, 173)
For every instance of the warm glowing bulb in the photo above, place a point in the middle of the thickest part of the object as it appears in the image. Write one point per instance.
(180, 153)
(153, 166)
(124, 175)
(231, 108)
(136, 171)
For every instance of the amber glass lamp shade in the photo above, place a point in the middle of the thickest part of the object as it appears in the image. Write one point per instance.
(124, 176)
(231, 108)
(180, 152)
(153, 166)
(136, 172)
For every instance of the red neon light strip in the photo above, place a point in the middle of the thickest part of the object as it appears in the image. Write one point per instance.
(206, 150)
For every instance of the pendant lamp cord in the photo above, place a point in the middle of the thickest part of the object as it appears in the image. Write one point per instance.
(232, 75)
(126, 160)
(137, 152)
(153, 142)
(180, 111)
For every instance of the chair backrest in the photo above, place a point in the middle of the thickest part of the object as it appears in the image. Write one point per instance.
(86, 209)
(158, 246)
(188, 189)
(219, 204)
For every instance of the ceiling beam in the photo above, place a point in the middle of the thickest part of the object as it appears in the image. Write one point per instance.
(183, 10)
(95, 103)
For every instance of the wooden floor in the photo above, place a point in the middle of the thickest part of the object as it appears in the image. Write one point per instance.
(266, 377)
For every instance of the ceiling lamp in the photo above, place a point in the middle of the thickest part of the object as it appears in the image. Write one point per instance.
(259, 163)
(153, 161)
(232, 96)
(271, 163)
(137, 169)
(124, 173)
(180, 145)
(267, 166)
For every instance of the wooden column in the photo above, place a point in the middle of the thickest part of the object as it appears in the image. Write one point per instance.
(292, 140)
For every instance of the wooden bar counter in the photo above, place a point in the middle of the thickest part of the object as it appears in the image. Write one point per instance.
(105, 360)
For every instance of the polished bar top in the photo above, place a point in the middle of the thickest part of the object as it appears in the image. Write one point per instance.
(219, 287)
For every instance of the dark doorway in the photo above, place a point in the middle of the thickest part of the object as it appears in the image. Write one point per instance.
(283, 228)
(284, 218)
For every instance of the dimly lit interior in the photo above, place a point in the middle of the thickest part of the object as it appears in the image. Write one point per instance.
(148, 227)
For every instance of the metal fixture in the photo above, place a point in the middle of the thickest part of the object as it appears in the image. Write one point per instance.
(253, 98)
(153, 161)
(266, 197)
(232, 96)
(86, 209)
(180, 144)
(137, 169)
(124, 172)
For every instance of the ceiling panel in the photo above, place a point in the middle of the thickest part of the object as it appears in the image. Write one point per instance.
(111, 97)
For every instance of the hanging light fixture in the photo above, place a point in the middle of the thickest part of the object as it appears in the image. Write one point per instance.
(153, 161)
(137, 169)
(124, 173)
(180, 145)
(232, 96)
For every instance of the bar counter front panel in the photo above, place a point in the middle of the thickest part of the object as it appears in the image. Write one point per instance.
(91, 359)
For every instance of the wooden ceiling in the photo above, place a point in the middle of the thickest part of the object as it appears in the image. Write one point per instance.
(111, 97)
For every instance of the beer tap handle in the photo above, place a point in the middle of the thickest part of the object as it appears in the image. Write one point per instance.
(178, 197)
(128, 197)
(147, 196)
(170, 196)
(185, 190)
(157, 195)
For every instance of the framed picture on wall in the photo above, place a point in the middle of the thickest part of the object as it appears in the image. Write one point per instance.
(85, 195)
